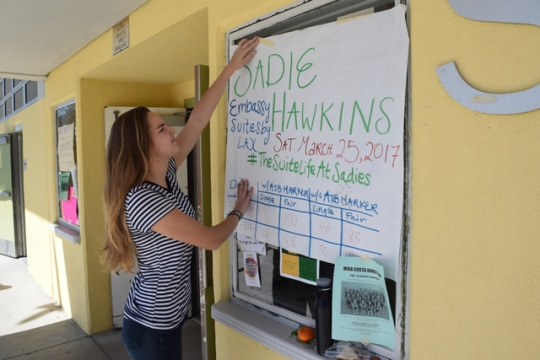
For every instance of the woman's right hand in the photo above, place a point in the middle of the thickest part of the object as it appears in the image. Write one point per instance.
(244, 52)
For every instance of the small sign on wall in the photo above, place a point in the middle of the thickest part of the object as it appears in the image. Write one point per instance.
(121, 36)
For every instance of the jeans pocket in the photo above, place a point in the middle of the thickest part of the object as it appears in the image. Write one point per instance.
(132, 333)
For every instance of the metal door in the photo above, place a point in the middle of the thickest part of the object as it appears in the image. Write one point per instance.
(12, 241)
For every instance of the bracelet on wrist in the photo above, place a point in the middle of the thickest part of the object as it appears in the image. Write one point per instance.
(237, 213)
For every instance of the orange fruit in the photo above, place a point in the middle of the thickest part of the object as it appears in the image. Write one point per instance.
(305, 333)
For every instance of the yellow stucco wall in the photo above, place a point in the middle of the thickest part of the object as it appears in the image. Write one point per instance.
(474, 230)
(233, 345)
(474, 195)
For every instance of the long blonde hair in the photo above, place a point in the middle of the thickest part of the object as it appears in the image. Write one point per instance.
(126, 167)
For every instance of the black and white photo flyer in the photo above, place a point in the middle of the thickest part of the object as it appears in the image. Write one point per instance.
(360, 306)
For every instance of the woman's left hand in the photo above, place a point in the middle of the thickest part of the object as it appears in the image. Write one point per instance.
(243, 195)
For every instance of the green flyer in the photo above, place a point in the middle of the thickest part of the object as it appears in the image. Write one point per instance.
(360, 306)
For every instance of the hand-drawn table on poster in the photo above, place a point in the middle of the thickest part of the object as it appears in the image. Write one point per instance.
(315, 122)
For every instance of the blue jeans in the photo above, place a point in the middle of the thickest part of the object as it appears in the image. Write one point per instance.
(144, 343)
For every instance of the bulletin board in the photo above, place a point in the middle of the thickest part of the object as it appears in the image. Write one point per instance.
(315, 122)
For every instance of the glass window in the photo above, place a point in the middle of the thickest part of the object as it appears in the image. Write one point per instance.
(293, 297)
(19, 99)
(31, 91)
(8, 86)
(16, 94)
(9, 106)
(66, 163)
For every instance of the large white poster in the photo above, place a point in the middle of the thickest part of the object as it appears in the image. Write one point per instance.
(315, 122)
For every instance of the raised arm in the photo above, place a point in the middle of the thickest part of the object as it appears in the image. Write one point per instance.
(200, 116)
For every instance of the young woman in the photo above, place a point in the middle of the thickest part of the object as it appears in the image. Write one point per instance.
(151, 222)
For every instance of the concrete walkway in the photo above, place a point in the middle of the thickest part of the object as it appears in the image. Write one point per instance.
(33, 326)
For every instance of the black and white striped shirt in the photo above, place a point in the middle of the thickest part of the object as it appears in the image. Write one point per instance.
(161, 291)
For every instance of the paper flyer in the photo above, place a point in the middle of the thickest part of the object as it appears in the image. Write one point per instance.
(360, 306)
(298, 267)
(251, 269)
(247, 243)
(66, 155)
